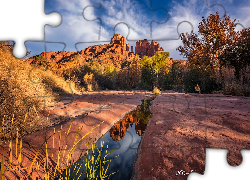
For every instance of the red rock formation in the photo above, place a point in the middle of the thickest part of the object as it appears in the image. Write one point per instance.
(181, 62)
(115, 52)
(57, 57)
(144, 47)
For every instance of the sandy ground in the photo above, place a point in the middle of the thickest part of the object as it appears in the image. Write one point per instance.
(183, 125)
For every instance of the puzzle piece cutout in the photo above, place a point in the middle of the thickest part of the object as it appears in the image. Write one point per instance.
(72, 17)
(218, 168)
(25, 19)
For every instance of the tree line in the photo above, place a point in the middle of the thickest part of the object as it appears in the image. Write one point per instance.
(217, 62)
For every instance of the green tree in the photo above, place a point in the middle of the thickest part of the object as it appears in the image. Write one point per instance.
(192, 78)
(111, 73)
(146, 64)
(237, 55)
(160, 63)
(151, 67)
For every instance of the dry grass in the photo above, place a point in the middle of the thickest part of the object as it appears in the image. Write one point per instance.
(21, 89)
(50, 172)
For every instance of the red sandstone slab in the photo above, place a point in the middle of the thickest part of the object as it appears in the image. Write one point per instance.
(182, 127)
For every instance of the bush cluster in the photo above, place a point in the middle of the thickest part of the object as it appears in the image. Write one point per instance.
(22, 91)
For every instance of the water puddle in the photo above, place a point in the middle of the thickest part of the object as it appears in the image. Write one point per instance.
(123, 138)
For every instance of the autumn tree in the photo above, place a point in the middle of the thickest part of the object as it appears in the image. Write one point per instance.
(135, 71)
(215, 36)
(130, 74)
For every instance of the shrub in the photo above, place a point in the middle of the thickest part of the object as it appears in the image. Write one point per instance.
(156, 91)
(166, 82)
(23, 86)
(236, 89)
(195, 76)
(88, 78)
(191, 79)
(197, 88)
(247, 90)
(209, 84)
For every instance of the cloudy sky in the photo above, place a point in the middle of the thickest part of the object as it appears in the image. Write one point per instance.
(89, 22)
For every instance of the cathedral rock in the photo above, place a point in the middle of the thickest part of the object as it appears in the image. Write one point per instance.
(116, 51)
(144, 47)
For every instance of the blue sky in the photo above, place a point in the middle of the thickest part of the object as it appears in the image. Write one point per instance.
(136, 15)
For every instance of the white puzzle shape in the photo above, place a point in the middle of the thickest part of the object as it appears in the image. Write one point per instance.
(217, 167)
(28, 17)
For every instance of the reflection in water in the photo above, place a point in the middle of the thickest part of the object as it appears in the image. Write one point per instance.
(125, 147)
(140, 117)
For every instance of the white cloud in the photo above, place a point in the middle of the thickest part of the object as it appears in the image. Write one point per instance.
(244, 18)
(75, 6)
(128, 12)
(186, 16)
(75, 28)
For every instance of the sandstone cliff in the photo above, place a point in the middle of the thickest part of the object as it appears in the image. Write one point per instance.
(117, 50)
(144, 47)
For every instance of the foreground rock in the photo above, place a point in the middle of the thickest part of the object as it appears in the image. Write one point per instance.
(85, 111)
(182, 127)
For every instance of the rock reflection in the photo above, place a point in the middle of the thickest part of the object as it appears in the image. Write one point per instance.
(140, 116)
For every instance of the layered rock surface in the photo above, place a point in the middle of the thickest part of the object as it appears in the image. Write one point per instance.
(183, 125)
(104, 108)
